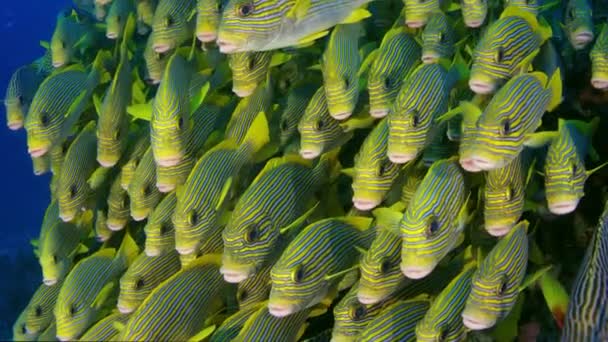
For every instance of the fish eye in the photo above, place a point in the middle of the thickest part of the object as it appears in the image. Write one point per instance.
(574, 168)
(444, 334)
(135, 162)
(385, 167)
(388, 83)
(500, 54)
(385, 266)
(23, 329)
(245, 10)
(298, 274)
(284, 125)
(192, 218)
(251, 63)
(73, 309)
(252, 234)
(38, 311)
(164, 228)
(441, 37)
(20, 98)
(503, 288)
(506, 128)
(139, 284)
(320, 125)
(433, 228)
(158, 56)
(415, 119)
(148, 190)
(357, 312)
(55, 258)
(180, 123)
(508, 193)
(63, 45)
(125, 202)
(242, 295)
(118, 18)
(73, 190)
(346, 82)
(44, 118)
(571, 13)
(117, 134)
(220, 6)
(169, 21)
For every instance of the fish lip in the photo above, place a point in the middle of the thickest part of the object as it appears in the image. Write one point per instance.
(414, 23)
(58, 64)
(67, 217)
(580, 39)
(123, 310)
(226, 47)
(115, 227)
(473, 323)
(49, 282)
(14, 125)
(309, 154)
(242, 92)
(279, 311)
(367, 300)
(106, 163)
(164, 188)
(184, 250)
(39, 172)
(111, 35)
(233, 276)
(365, 205)
(430, 58)
(480, 87)
(138, 218)
(62, 339)
(473, 23)
(563, 208)
(169, 161)
(151, 252)
(415, 272)
(38, 152)
(341, 116)
(476, 164)
(206, 37)
(469, 165)
(597, 83)
(378, 113)
(161, 48)
(498, 230)
(101, 238)
(400, 158)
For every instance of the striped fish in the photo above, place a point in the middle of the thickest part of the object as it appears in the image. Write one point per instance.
(105, 329)
(507, 47)
(116, 20)
(273, 24)
(578, 23)
(396, 57)
(303, 277)
(474, 12)
(143, 276)
(374, 173)
(102, 232)
(200, 206)
(298, 98)
(135, 151)
(496, 283)
(173, 24)
(599, 60)
(208, 15)
(58, 248)
(48, 334)
(247, 110)
(230, 328)
(494, 137)
(113, 122)
(586, 315)
(143, 193)
(396, 322)
(90, 288)
(532, 6)
(41, 165)
(264, 326)
(565, 172)
(176, 309)
(145, 15)
(254, 289)
(281, 197)
(434, 220)
(249, 69)
(71, 36)
(340, 65)
(73, 188)
(417, 13)
(503, 194)
(19, 94)
(414, 176)
(58, 103)
(443, 321)
(155, 61)
(423, 96)
(118, 206)
(37, 315)
(439, 36)
(160, 238)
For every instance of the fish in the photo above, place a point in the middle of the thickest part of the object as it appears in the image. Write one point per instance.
(135, 151)
(254, 289)
(105, 329)
(172, 24)
(274, 24)
(303, 277)
(396, 322)
(113, 122)
(231, 327)
(250, 69)
(599, 61)
(145, 15)
(71, 37)
(248, 108)
(208, 15)
(49, 333)
(118, 205)
(91, 287)
(443, 319)
(75, 185)
(414, 112)
(159, 227)
(439, 37)
(497, 57)
(20, 92)
(41, 165)
(297, 100)
(201, 203)
(143, 193)
(498, 134)
(396, 57)
(414, 176)
(495, 285)
(162, 315)
(156, 62)
(433, 223)
(340, 64)
(59, 102)
(475, 12)
(38, 314)
(532, 6)
(102, 232)
(279, 199)
(373, 173)
(584, 318)
(578, 23)
(143, 276)
(116, 20)
(264, 326)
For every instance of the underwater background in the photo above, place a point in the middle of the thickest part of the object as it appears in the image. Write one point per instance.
(23, 24)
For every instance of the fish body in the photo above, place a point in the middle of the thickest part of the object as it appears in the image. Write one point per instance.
(172, 24)
(38, 314)
(208, 15)
(71, 36)
(143, 193)
(117, 17)
(279, 197)
(159, 229)
(439, 37)
(578, 22)
(495, 285)
(397, 56)
(254, 290)
(396, 322)
(19, 94)
(300, 276)
(231, 327)
(434, 219)
(264, 326)
(142, 277)
(105, 329)
(599, 60)
(585, 319)
(274, 24)
(507, 47)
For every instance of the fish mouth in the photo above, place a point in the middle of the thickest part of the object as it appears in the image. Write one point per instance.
(168, 161)
(113, 226)
(367, 299)
(112, 35)
(58, 64)
(476, 164)
(498, 230)
(66, 217)
(139, 216)
(15, 125)
(580, 39)
(378, 113)
(473, 23)
(415, 272)
(102, 238)
(481, 87)
(105, 162)
(563, 208)
(309, 154)
(226, 47)
(342, 115)
(414, 23)
(49, 281)
(38, 152)
(206, 37)
(62, 338)
(164, 188)
(184, 250)
(240, 92)
(151, 252)
(39, 172)
(401, 158)
(233, 276)
(365, 205)
(597, 83)
(474, 323)
(161, 48)
(430, 58)
(123, 309)
(278, 310)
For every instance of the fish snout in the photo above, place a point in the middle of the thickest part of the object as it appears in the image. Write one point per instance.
(430, 58)
(341, 116)
(581, 38)
(309, 153)
(415, 23)
(206, 37)
(563, 208)
(280, 310)
(151, 252)
(242, 92)
(226, 47)
(367, 299)
(400, 157)
(498, 230)
(123, 309)
(15, 125)
(112, 35)
(378, 112)
(184, 250)
(597, 83)
(233, 276)
(365, 204)
(481, 87)
(415, 272)
(49, 281)
(161, 48)
(473, 23)
(38, 152)
(474, 323)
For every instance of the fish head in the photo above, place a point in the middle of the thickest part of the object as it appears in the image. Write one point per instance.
(579, 24)
(111, 139)
(249, 70)
(62, 50)
(159, 237)
(341, 88)
(249, 241)
(474, 12)
(37, 315)
(43, 129)
(118, 207)
(438, 38)
(208, 19)
(253, 290)
(599, 61)
(408, 133)
(72, 318)
(169, 133)
(565, 176)
(115, 23)
(531, 6)
(55, 264)
(417, 12)
(380, 272)
(383, 86)
(15, 112)
(169, 29)
(72, 194)
(318, 130)
(239, 16)
(21, 330)
(191, 221)
(503, 202)
(351, 316)
(155, 62)
(143, 195)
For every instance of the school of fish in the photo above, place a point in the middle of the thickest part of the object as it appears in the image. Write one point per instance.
(319, 170)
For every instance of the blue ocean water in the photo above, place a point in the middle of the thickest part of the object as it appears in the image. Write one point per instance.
(23, 24)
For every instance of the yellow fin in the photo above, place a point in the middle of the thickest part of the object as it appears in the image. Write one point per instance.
(223, 194)
(258, 134)
(544, 30)
(356, 123)
(206, 259)
(201, 335)
(299, 10)
(540, 139)
(594, 170)
(300, 220)
(388, 219)
(97, 104)
(341, 273)
(279, 58)
(199, 97)
(555, 88)
(312, 37)
(350, 172)
(470, 111)
(141, 111)
(359, 222)
(367, 62)
(516, 11)
(119, 326)
(45, 44)
(356, 16)
(103, 295)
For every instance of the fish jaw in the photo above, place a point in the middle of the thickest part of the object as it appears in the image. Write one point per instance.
(580, 38)
(430, 57)
(206, 37)
(310, 152)
(235, 271)
(37, 152)
(378, 113)
(18, 124)
(562, 207)
(473, 321)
